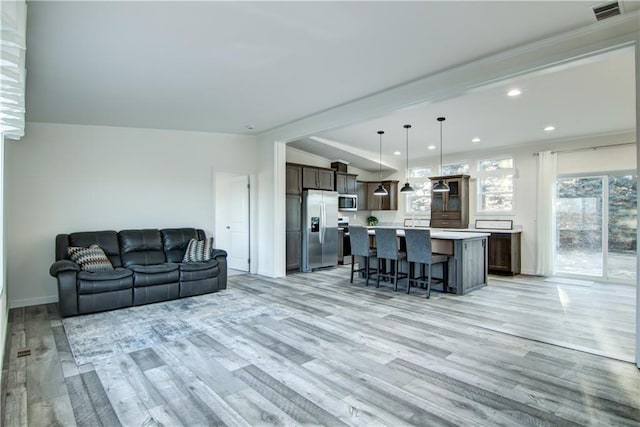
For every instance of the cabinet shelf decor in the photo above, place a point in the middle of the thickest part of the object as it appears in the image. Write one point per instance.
(450, 209)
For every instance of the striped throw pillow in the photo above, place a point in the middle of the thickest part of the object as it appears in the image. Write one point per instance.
(92, 258)
(198, 250)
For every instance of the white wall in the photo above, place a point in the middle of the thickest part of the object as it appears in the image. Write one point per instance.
(66, 178)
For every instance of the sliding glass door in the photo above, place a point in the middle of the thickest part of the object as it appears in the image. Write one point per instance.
(596, 226)
(622, 212)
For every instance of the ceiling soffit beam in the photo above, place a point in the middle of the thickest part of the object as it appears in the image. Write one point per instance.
(582, 43)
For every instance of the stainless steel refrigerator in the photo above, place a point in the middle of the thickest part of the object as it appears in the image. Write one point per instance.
(320, 229)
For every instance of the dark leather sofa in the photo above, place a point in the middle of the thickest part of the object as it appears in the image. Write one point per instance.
(147, 265)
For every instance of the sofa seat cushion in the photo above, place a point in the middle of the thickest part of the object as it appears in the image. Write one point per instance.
(198, 266)
(104, 281)
(156, 274)
(199, 270)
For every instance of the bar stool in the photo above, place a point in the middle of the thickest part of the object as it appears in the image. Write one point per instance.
(387, 247)
(419, 251)
(359, 238)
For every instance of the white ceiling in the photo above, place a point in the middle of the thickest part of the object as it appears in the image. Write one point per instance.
(219, 66)
(593, 97)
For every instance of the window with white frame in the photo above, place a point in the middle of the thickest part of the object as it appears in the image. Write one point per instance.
(495, 184)
(419, 202)
(455, 169)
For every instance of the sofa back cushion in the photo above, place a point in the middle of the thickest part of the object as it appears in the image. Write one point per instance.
(142, 247)
(107, 240)
(175, 241)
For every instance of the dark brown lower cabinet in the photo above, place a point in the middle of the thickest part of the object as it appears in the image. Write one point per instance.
(504, 253)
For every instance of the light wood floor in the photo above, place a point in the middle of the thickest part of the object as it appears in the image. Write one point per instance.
(518, 352)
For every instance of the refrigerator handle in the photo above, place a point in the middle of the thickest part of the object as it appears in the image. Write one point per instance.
(322, 221)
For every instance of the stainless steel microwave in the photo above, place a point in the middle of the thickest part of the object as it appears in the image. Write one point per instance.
(347, 202)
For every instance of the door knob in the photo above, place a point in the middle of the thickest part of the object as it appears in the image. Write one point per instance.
(228, 227)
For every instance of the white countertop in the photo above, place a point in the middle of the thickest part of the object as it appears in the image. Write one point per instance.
(484, 230)
(437, 233)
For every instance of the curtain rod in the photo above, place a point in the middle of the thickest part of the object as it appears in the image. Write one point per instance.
(597, 147)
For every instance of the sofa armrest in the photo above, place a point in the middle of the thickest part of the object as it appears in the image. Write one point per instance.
(66, 273)
(63, 265)
(218, 253)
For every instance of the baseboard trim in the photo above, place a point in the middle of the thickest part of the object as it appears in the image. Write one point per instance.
(26, 302)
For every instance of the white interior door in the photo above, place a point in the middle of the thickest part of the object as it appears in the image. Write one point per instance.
(232, 218)
(239, 223)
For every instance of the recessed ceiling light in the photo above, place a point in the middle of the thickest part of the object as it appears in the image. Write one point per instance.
(514, 92)
(475, 140)
(549, 128)
(397, 153)
(250, 127)
(431, 147)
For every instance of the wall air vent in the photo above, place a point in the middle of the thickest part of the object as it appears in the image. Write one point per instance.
(607, 10)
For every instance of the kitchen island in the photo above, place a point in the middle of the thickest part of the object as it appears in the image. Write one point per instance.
(468, 257)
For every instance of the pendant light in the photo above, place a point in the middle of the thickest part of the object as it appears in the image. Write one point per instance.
(380, 191)
(407, 188)
(440, 187)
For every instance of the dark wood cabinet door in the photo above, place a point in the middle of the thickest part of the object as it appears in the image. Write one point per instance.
(294, 250)
(325, 180)
(392, 200)
(309, 177)
(350, 185)
(451, 209)
(341, 183)
(374, 203)
(294, 179)
(499, 252)
(293, 232)
(361, 192)
(504, 253)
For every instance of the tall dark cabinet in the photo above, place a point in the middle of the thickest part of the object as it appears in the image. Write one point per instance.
(294, 217)
(450, 209)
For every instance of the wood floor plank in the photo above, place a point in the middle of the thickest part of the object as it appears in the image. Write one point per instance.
(521, 351)
(83, 410)
(217, 410)
(179, 397)
(257, 410)
(291, 402)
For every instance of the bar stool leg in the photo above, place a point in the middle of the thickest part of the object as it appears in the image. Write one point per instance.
(353, 262)
(366, 270)
(410, 276)
(395, 275)
(429, 280)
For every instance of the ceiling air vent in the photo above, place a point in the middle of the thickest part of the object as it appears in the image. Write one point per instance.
(607, 10)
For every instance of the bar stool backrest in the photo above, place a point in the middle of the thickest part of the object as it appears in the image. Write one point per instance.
(387, 243)
(418, 245)
(359, 238)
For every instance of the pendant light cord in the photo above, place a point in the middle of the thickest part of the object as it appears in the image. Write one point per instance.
(407, 150)
(440, 147)
(441, 119)
(380, 163)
